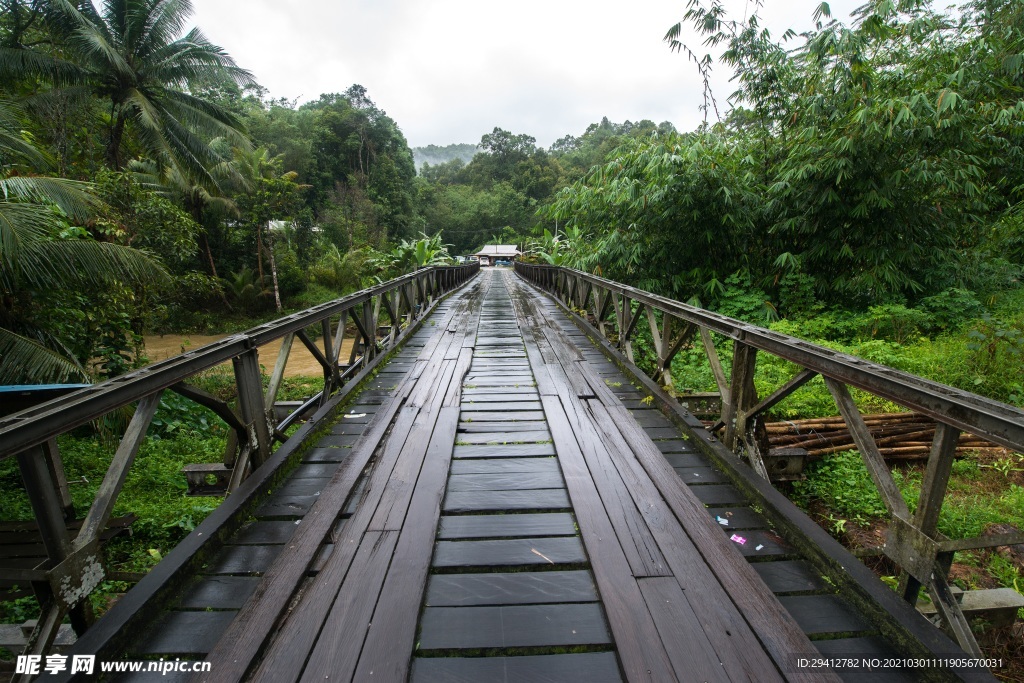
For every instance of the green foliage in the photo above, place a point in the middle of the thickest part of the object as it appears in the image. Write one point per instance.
(841, 480)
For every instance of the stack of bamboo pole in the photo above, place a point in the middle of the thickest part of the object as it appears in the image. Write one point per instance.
(900, 436)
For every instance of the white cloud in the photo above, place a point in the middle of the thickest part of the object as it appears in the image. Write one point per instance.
(451, 70)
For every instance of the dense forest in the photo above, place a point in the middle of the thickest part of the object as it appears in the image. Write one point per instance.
(150, 183)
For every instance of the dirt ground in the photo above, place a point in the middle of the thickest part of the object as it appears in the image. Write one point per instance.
(300, 360)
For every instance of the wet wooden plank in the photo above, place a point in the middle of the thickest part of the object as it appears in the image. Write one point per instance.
(509, 552)
(505, 465)
(506, 526)
(513, 626)
(470, 405)
(590, 667)
(777, 631)
(511, 481)
(686, 460)
(638, 543)
(819, 614)
(506, 437)
(186, 633)
(243, 559)
(315, 470)
(639, 646)
(219, 592)
(514, 415)
(337, 648)
(480, 501)
(398, 606)
(700, 475)
(501, 426)
(789, 576)
(739, 517)
(719, 494)
(692, 654)
(264, 533)
(505, 450)
(518, 588)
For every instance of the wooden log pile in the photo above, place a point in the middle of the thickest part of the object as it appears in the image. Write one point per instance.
(900, 436)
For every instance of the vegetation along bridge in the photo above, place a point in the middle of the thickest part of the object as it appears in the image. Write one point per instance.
(488, 489)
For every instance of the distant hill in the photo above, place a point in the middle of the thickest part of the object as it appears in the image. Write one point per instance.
(433, 155)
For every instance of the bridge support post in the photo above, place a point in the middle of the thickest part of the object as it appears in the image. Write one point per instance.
(741, 425)
(251, 408)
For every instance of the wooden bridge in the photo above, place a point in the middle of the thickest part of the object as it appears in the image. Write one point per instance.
(489, 490)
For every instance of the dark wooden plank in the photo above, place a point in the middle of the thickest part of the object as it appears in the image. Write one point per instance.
(315, 470)
(506, 526)
(868, 646)
(639, 646)
(518, 588)
(738, 517)
(512, 626)
(243, 559)
(776, 630)
(398, 605)
(761, 544)
(819, 614)
(588, 667)
(650, 418)
(675, 446)
(326, 455)
(504, 405)
(789, 576)
(505, 465)
(338, 441)
(625, 513)
(507, 437)
(505, 451)
(288, 507)
(473, 425)
(480, 501)
(510, 481)
(692, 654)
(186, 633)
(296, 637)
(671, 432)
(219, 592)
(719, 495)
(727, 629)
(513, 415)
(509, 552)
(248, 634)
(337, 648)
(686, 460)
(700, 475)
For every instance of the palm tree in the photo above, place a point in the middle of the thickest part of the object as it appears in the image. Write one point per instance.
(131, 54)
(35, 257)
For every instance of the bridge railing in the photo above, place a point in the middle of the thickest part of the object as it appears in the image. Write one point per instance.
(913, 541)
(74, 567)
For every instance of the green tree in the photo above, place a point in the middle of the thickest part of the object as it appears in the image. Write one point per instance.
(43, 255)
(131, 55)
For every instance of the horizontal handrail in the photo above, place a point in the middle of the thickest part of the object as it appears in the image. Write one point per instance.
(999, 422)
(37, 424)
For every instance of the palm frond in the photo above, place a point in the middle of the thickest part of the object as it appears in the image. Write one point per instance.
(76, 262)
(74, 198)
(23, 361)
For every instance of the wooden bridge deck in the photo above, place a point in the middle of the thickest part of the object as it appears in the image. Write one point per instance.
(501, 504)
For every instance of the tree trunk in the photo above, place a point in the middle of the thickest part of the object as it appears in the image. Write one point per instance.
(259, 252)
(114, 143)
(273, 269)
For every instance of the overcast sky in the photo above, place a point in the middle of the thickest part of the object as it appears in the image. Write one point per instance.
(451, 70)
